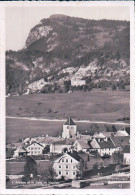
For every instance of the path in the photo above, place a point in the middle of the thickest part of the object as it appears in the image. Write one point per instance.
(62, 120)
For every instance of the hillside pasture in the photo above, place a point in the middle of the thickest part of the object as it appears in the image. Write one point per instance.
(94, 105)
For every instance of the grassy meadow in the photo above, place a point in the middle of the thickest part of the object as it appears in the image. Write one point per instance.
(96, 105)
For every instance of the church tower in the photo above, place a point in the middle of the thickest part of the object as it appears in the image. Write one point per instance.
(69, 129)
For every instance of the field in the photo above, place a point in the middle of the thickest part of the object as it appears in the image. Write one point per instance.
(17, 168)
(95, 105)
(99, 106)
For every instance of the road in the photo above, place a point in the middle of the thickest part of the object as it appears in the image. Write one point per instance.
(62, 120)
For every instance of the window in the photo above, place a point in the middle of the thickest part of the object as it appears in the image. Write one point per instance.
(74, 173)
(59, 172)
(73, 167)
(67, 127)
(62, 160)
(66, 160)
(66, 166)
(60, 166)
(66, 172)
(71, 160)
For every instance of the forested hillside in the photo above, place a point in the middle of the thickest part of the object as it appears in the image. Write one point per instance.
(62, 48)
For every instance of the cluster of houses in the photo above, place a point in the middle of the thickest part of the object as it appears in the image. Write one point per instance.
(71, 144)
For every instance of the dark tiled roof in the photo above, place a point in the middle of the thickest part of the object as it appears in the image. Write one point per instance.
(106, 144)
(126, 149)
(83, 144)
(120, 141)
(65, 142)
(69, 121)
(75, 155)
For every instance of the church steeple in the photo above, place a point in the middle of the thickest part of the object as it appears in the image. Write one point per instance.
(69, 129)
(69, 121)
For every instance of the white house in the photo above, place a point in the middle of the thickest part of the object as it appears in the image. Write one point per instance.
(77, 82)
(35, 149)
(121, 132)
(61, 146)
(103, 147)
(67, 165)
(19, 152)
(69, 129)
(126, 155)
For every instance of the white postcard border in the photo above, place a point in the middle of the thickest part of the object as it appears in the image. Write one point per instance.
(3, 189)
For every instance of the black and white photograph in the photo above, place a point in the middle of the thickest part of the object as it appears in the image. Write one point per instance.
(67, 75)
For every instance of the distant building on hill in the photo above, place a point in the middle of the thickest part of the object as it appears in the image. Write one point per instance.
(67, 165)
(69, 129)
(77, 82)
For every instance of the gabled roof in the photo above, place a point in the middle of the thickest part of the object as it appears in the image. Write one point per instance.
(83, 144)
(34, 143)
(99, 135)
(69, 121)
(121, 132)
(65, 142)
(20, 150)
(126, 149)
(73, 154)
(120, 141)
(106, 144)
(108, 134)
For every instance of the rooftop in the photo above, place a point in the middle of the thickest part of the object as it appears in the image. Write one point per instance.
(69, 121)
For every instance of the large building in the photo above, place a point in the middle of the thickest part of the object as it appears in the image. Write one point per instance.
(67, 165)
(69, 129)
(78, 82)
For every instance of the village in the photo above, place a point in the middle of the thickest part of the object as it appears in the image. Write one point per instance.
(73, 160)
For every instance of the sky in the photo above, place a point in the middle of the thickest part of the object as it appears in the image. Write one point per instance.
(20, 20)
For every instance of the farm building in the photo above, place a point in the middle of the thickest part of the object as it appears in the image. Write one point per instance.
(20, 152)
(77, 82)
(81, 145)
(61, 146)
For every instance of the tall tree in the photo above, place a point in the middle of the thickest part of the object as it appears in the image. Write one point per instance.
(30, 169)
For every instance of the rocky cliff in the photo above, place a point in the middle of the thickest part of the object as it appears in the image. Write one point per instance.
(62, 48)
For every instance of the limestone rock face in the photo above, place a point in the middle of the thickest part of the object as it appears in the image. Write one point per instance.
(63, 48)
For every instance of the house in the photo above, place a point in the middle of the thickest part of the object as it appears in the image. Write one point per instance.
(69, 129)
(19, 152)
(126, 155)
(77, 82)
(121, 141)
(103, 147)
(35, 149)
(67, 165)
(61, 146)
(81, 145)
(103, 136)
(121, 132)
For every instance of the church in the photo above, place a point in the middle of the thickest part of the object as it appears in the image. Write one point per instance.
(69, 129)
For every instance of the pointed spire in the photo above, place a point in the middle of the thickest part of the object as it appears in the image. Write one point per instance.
(70, 121)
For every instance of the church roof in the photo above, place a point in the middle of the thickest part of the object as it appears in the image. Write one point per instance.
(69, 121)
